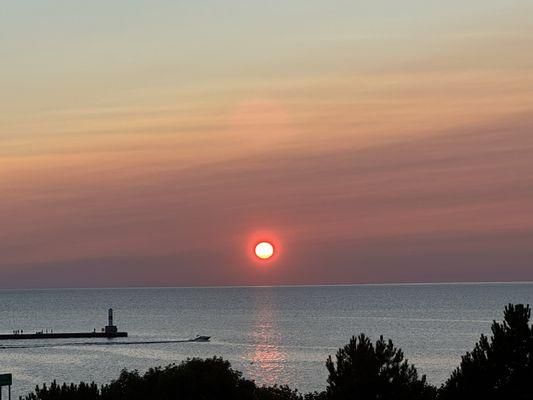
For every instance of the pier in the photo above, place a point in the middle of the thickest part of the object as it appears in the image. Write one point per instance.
(109, 331)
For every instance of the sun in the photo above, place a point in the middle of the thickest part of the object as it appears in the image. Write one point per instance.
(264, 250)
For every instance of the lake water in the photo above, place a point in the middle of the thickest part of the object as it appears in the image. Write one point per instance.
(273, 334)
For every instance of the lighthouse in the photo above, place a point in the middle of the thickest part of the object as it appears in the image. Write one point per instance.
(110, 328)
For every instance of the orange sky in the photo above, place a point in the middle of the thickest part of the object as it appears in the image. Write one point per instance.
(151, 146)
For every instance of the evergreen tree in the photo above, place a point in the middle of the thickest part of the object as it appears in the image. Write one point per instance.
(364, 371)
(499, 368)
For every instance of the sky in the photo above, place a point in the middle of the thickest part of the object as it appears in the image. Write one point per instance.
(153, 143)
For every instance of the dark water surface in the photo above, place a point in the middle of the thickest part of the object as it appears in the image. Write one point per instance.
(273, 334)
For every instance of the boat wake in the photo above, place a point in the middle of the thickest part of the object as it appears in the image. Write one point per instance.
(109, 343)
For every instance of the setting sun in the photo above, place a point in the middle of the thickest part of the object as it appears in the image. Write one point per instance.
(264, 250)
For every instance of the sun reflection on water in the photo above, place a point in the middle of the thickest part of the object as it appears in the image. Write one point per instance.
(267, 360)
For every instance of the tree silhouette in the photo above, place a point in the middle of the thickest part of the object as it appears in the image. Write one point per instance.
(499, 368)
(83, 391)
(364, 371)
(209, 379)
(278, 393)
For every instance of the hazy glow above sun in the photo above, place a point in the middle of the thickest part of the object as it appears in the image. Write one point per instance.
(264, 250)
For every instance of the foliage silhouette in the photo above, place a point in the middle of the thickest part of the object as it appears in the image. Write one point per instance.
(499, 368)
(209, 379)
(195, 378)
(278, 393)
(83, 391)
(364, 371)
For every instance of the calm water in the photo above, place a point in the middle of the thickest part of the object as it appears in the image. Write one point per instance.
(273, 334)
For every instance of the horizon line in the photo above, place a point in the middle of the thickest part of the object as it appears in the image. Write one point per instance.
(274, 286)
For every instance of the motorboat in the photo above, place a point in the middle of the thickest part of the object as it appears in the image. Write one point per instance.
(201, 339)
